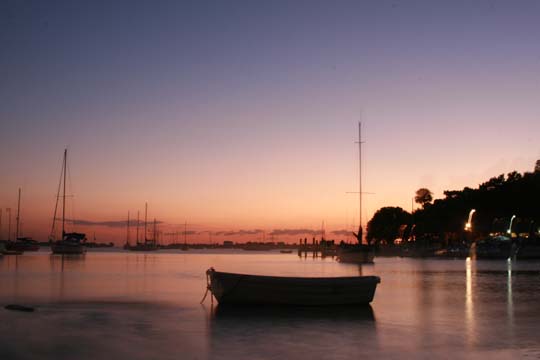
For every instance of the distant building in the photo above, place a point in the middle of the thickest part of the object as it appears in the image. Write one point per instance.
(537, 167)
(228, 243)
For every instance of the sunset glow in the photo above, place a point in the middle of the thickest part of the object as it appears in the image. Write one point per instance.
(244, 117)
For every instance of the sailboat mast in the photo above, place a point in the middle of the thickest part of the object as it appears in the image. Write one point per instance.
(8, 210)
(155, 232)
(145, 217)
(18, 215)
(360, 180)
(137, 226)
(185, 233)
(127, 233)
(64, 195)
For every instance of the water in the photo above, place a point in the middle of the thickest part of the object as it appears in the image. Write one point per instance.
(122, 305)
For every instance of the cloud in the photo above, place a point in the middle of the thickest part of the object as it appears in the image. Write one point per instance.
(181, 233)
(112, 223)
(280, 232)
(341, 232)
(238, 232)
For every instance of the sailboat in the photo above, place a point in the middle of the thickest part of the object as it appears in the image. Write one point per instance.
(148, 244)
(71, 243)
(21, 244)
(358, 253)
(127, 244)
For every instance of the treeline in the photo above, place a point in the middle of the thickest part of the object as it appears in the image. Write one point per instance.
(495, 202)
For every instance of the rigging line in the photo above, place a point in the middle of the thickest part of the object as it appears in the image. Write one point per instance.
(56, 205)
(71, 196)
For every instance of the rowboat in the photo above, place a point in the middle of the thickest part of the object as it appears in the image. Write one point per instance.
(242, 289)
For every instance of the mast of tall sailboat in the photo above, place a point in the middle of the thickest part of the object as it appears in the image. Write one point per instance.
(360, 230)
(18, 216)
(64, 196)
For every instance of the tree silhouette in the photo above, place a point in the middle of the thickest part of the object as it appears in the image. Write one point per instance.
(495, 202)
(386, 224)
(423, 196)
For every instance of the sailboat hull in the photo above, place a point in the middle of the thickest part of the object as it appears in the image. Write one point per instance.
(142, 247)
(62, 248)
(358, 254)
(22, 246)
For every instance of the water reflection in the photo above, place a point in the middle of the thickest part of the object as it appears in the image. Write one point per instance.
(469, 303)
(278, 332)
(271, 314)
(429, 308)
(509, 296)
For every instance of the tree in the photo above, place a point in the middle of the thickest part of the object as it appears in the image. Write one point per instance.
(423, 196)
(386, 223)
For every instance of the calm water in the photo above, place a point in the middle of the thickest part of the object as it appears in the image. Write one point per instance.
(120, 305)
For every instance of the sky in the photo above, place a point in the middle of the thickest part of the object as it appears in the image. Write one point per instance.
(240, 117)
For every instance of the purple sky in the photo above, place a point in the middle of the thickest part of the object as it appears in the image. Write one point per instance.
(243, 114)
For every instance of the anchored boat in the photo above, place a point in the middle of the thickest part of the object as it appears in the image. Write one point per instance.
(148, 244)
(242, 289)
(359, 253)
(70, 243)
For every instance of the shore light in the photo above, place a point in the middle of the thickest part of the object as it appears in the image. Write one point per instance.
(509, 231)
(468, 225)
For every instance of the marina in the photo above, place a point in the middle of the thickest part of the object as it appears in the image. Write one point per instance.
(262, 180)
(119, 301)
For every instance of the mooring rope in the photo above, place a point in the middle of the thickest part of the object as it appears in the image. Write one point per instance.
(208, 286)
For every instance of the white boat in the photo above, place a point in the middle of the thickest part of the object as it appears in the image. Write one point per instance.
(242, 289)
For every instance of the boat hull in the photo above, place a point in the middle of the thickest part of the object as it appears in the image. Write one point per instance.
(142, 247)
(23, 246)
(239, 289)
(359, 254)
(67, 249)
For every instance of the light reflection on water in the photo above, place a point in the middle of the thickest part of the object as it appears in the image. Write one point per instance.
(136, 306)
(469, 303)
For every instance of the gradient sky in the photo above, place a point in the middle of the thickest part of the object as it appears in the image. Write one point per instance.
(243, 114)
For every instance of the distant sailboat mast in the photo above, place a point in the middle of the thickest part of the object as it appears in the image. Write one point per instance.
(18, 215)
(155, 232)
(8, 210)
(127, 230)
(145, 218)
(137, 227)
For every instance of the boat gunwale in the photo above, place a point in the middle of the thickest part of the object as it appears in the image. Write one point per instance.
(272, 277)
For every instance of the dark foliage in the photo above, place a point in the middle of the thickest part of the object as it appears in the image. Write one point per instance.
(385, 226)
(495, 202)
(423, 196)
